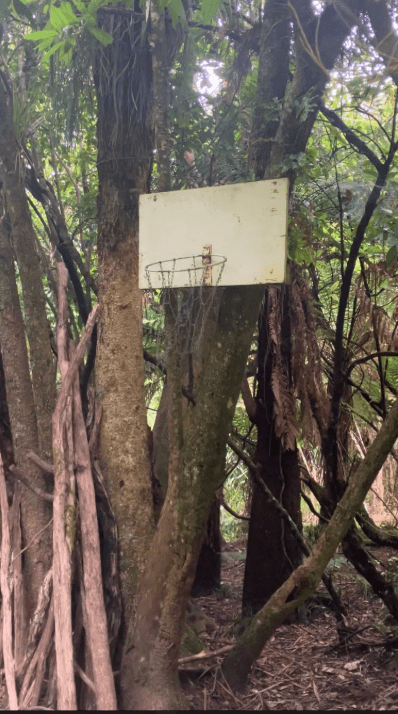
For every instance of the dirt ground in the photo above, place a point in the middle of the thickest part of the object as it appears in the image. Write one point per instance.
(314, 666)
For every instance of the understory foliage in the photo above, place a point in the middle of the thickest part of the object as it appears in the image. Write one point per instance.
(126, 439)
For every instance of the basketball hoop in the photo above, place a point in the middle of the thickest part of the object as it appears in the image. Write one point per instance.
(191, 301)
(201, 270)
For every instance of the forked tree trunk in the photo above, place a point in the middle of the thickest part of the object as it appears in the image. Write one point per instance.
(149, 673)
(208, 568)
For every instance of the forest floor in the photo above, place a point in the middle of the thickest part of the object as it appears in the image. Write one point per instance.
(316, 666)
(312, 666)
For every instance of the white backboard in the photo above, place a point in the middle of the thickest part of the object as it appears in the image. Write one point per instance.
(246, 223)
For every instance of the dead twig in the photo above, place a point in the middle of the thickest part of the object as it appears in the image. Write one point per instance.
(36, 535)
(83, 676)
(205, 655)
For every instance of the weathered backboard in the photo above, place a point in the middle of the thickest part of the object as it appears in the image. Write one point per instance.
(245, 223)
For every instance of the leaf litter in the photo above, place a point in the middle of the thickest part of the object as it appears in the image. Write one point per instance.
(317, 666)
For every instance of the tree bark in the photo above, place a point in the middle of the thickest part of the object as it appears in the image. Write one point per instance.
(273, 73)
(208, 568)
(272, 550)
(36, 513)
(23, 239)
(123, 82)
(6, 448)
(149, 672)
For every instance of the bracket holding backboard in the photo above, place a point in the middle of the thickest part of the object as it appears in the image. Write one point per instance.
(242, 227)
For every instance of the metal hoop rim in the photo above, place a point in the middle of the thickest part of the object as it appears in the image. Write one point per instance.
(150, 269)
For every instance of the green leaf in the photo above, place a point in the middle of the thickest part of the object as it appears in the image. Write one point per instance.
(79, 5)
(210, 9)
(46, 43)
(176, 10)
(41, 35)
(104, 37)
(67, 9)
(392, 255)
(57, 18)
(66, 57)
(52, 51)
(94, 5)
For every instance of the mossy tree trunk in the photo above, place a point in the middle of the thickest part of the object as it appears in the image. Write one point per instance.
(196, 463)
(149, 672)
(208, 568)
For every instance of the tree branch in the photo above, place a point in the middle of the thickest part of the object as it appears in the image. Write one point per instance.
(17, 473)
(373, 355)
(352, 138)
(248, 400)
(330, 441)
(233, 513)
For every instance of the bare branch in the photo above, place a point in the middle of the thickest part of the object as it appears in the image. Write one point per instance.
(44, 465)
(373, 355)
(205, 655)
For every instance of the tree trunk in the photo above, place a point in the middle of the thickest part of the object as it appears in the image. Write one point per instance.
(149, 672)
(123, 85)
(272, 550)
(273, 74)
(208, 568)
(325, 35)
(36, 513)
(6, 448)
(23, 239)
(161, 445)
